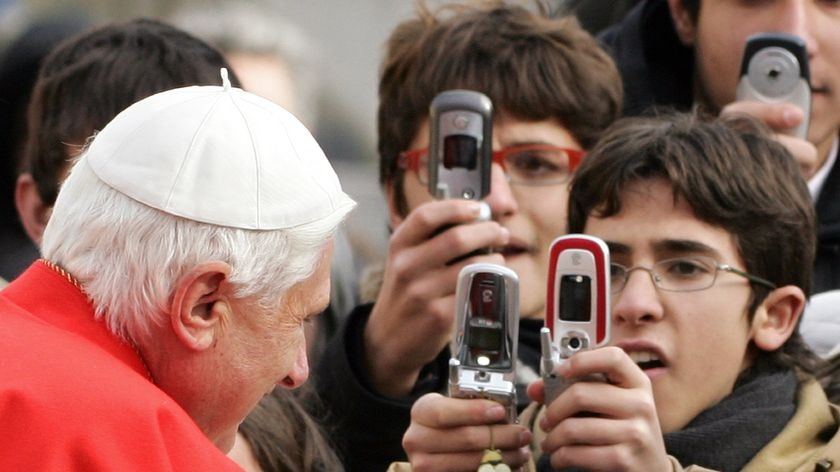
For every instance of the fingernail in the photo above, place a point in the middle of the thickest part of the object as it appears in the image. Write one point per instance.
(525, 438)
(792, 116)
(484, 212)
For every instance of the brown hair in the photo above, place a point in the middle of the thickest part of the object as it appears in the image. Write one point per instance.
(89, 78)
(285, 438)
(531, 66)
(731, 174)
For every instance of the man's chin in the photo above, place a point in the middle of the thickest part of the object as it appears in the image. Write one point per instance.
(226, 440)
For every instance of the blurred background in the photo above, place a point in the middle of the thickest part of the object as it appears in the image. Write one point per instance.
(331, 49)
(327, 56)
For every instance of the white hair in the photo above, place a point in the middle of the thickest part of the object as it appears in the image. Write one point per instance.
(129, 257)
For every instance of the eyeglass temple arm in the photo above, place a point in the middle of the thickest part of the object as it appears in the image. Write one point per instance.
(750, 277)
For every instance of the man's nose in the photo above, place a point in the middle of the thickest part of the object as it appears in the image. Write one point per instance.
(501, 199)
(299, 371)
(639, 300)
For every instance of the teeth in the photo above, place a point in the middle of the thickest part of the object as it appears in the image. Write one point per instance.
(643, 356)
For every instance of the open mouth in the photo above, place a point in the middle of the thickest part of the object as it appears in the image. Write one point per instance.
(819, 89)
(646, 360)
(514, 248)
(510, 250)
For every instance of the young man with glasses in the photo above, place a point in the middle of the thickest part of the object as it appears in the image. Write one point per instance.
(711, 236)
(554, 91)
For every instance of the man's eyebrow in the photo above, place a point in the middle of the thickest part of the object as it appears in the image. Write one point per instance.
(619, 248)
(685, 246)
(667, 246)
(529, 142)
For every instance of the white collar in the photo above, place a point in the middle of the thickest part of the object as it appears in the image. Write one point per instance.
(816, 182)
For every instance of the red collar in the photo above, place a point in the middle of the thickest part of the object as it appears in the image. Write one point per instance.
(52, 298)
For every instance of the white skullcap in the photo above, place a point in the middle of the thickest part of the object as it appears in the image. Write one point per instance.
(218, 155)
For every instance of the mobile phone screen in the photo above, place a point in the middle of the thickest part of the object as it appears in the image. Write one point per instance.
(575, 298)
(460, 151)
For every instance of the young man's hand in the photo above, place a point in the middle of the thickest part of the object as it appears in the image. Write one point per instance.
(451, 434)
(413, 317)
(780, 117)
(603, 426)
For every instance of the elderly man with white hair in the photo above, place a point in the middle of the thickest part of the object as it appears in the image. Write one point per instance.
(187, 247)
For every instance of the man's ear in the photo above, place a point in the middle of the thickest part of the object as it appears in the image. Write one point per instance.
(776, 317)
(683, 23)
(394, 216)
(31, 209)
(201, 305)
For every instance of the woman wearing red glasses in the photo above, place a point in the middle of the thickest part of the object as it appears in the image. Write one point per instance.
(553, 91)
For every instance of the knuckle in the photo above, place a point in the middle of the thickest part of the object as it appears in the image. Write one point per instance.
(402, 267)
(440, 315)
(410, 441)
(575, 395)
(614, 354)
(459, 238)
(636, 433)
(422, 463)
(423, 215)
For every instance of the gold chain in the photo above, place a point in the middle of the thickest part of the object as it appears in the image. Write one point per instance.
(67, 275)
(52, 265)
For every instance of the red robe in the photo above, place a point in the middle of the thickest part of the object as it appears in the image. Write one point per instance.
(75, 397)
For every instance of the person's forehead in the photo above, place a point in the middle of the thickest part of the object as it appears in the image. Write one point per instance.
(510, 131)
(652, 220)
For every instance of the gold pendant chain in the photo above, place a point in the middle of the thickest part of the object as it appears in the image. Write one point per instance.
(67, 275)
(52, 265)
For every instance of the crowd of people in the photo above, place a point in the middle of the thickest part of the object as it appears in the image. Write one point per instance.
(174, 255)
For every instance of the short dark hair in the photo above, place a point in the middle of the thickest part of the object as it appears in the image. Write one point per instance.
(19, 64)
(532, 67)
(731, 174)
(89, 78)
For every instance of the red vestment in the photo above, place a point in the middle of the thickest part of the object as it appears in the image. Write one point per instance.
(74, 397)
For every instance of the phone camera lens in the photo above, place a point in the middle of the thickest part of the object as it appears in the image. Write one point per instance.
(574, 343)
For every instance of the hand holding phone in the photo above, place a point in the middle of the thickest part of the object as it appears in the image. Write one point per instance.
(461, 150)
(486, 334)
(775, 69)
(578, 305)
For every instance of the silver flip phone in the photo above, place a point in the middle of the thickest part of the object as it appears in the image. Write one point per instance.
(460, 145)
(483, 363)
(578, 305)
(775, 69)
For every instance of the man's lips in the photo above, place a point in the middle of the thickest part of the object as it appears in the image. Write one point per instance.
(514, 248)
(649, 357)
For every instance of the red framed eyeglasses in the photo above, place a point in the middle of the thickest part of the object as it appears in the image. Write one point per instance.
(531, 165)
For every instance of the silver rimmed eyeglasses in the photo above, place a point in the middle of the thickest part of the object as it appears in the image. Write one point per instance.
(681, 274)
